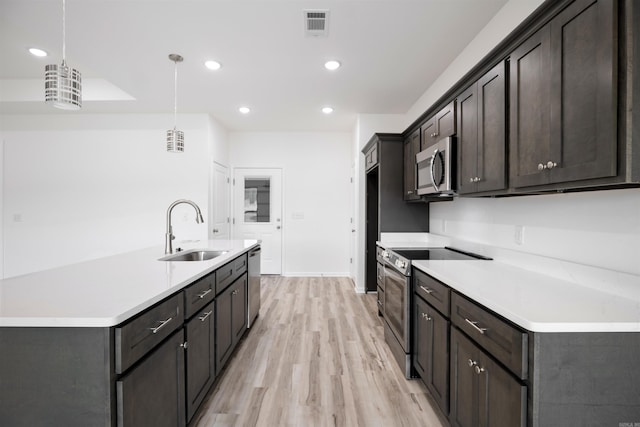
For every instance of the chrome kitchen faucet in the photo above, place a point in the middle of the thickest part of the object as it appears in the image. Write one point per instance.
(168, 237)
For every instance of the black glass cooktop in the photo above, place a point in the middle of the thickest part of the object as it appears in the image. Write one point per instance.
(438, 254)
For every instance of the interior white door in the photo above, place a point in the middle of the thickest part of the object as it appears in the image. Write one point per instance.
(220, 217)
(257, 213)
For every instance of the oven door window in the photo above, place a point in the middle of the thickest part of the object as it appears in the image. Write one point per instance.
(395, 304)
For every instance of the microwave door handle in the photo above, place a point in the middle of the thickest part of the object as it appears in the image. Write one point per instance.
(433, 177)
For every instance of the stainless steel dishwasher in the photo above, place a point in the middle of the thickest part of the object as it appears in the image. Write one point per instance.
(253, 294)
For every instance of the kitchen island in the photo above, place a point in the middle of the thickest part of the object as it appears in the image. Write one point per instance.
(124, 340)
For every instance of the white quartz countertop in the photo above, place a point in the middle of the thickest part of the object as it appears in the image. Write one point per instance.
(537, 302)
(106, 291)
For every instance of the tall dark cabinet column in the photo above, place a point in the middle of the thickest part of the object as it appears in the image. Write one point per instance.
(386, 210)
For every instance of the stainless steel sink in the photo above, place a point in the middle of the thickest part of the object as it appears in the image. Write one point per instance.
(193, 255)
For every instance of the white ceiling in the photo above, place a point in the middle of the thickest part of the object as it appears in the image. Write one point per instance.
(391, 51)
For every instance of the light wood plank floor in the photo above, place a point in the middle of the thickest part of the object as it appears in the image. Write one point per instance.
(316, 356)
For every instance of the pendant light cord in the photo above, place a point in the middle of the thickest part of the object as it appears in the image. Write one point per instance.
(175, 97)
(64, 47)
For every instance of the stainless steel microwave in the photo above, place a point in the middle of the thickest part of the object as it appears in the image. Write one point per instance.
(435, 167)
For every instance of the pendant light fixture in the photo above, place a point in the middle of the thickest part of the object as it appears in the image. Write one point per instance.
(63, 85)
(175, 138)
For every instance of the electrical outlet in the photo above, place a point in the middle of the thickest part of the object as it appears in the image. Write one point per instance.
(518, 235)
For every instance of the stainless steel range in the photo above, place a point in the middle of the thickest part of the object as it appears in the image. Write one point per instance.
(398, 294)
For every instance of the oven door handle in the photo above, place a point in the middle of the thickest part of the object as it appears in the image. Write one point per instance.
(432, 167)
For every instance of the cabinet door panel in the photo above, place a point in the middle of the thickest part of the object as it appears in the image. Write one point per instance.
(583, 93)
(483, 394)
(464, 384)
(152, 394)
(428, 133)
(502, 400)
(467, 140)
(421, 338)
(438, 378)
(224, 337)
(239, 308)
(529, 110)
(491, 130)
(446, 122)
(200, 336)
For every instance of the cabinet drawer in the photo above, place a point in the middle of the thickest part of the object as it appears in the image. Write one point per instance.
(229, 272)
(505, 342)
(199, 294)
(240, 265)
(433, 292)
(139, 335)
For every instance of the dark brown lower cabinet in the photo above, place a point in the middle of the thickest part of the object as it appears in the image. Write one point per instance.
(231, 319)
(483, 394)
(431, 351)
(152, 393)
(200, 355)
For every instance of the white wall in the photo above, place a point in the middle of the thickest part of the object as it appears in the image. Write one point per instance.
(1, 205)
(316, 169)
(599, 228)
(78, 187)
(218, 142)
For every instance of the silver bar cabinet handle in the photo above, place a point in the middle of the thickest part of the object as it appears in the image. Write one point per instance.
(207, 314)
(163, 323)
(202, 295)
(475, 326)
(427, 290)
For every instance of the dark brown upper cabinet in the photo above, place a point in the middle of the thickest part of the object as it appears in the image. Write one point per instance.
(563, 99)
(441, 125)
(411, 148)
(481, 116)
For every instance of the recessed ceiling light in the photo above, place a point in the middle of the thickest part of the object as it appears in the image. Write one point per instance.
(213, 65)
(37, 52)
(244, 110)
(327, 110)
(332, 65)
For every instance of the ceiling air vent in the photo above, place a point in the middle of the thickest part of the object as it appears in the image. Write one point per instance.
(316, 23)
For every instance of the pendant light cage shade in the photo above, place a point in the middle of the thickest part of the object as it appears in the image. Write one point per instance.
(175, 141)
(63, 87)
